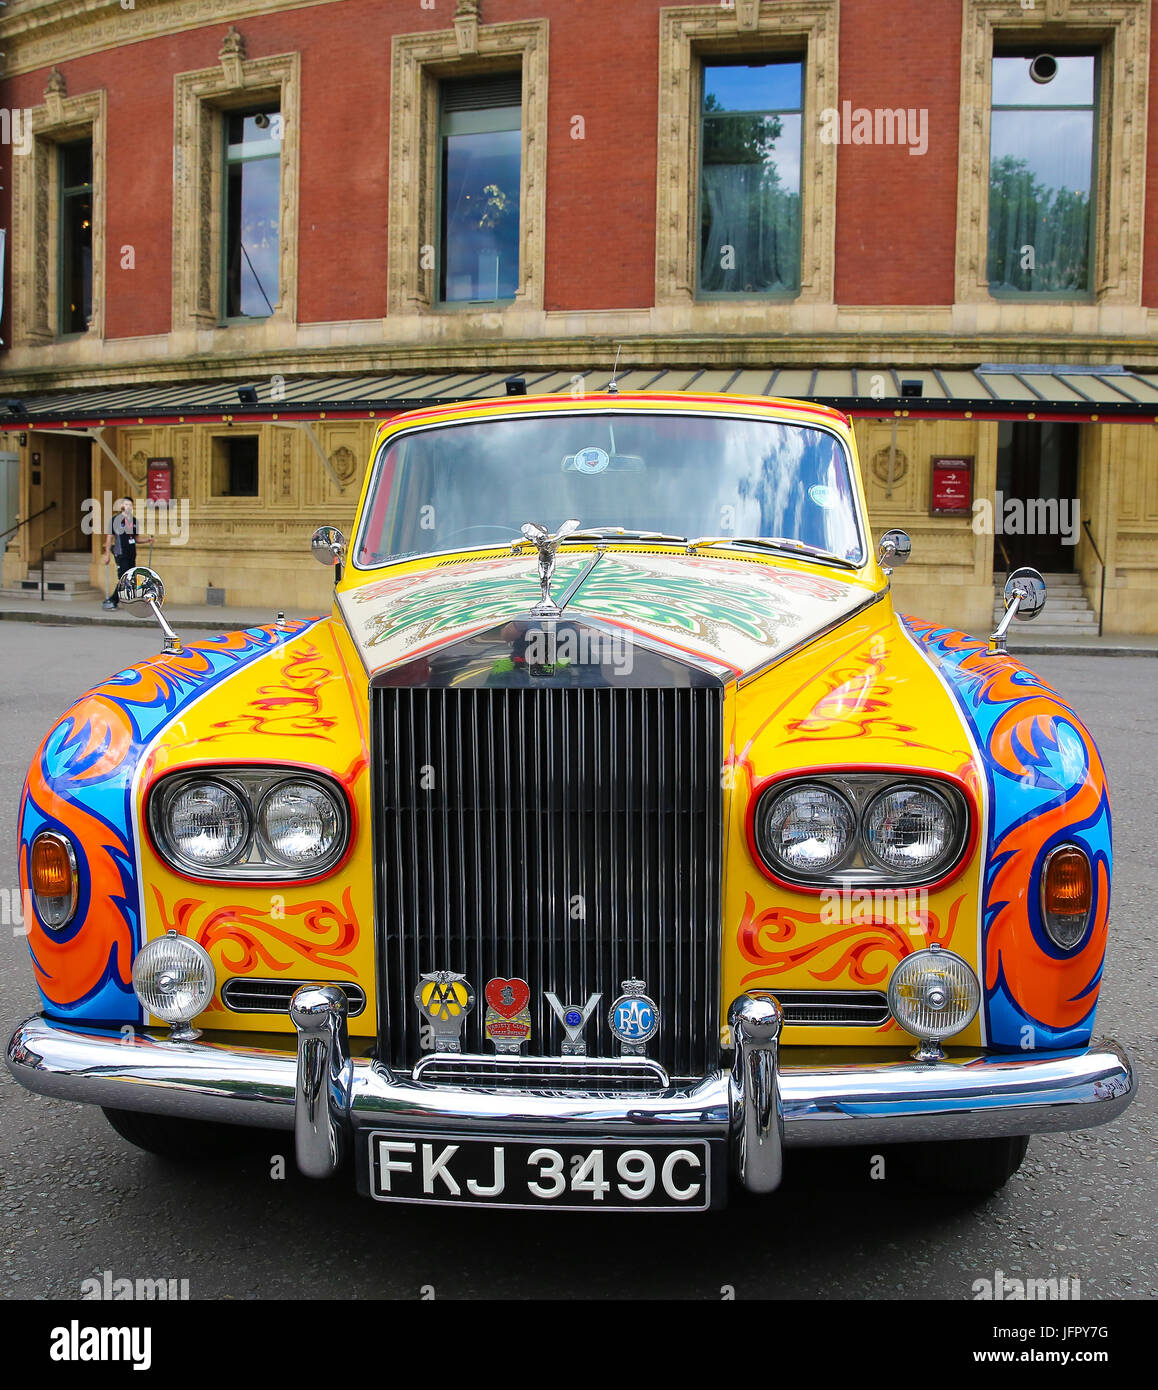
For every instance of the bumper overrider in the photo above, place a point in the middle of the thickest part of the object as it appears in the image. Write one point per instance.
(765, 1102)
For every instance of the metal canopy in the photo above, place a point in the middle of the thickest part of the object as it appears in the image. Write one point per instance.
(1001, 391)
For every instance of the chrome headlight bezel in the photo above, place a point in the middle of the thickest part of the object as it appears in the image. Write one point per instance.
(938, 862)
(254, 861)
(767, 809)
(859, 866)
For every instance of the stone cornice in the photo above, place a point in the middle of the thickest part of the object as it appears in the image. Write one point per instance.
(38, 33)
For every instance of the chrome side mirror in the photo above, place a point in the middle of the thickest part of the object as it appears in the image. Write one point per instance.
(1024, 600)
(896, 547)
(328, 547)
(143, 585)
(1027, 588)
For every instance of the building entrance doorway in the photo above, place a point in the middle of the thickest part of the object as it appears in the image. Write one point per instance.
(1036, 513)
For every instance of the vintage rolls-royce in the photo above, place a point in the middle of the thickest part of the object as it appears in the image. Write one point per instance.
(611, 836)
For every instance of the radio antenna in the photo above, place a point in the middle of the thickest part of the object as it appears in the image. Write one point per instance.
(612, 387)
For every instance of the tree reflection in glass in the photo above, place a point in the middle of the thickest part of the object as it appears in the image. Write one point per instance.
(1041, 172)
(750, 178)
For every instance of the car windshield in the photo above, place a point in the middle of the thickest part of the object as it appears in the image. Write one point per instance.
(471, 485)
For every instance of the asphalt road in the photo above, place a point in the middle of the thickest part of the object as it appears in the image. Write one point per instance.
(75, 1200)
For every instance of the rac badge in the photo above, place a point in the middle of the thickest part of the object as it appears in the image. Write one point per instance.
(574, 1020)
(508, 1020)
(634, 1019)
(444, 999)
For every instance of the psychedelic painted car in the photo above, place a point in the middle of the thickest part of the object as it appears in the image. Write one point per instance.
(611, 836)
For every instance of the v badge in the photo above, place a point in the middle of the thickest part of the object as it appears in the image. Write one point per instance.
(573, 1019)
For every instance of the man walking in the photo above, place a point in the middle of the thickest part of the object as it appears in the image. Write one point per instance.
(120, 543)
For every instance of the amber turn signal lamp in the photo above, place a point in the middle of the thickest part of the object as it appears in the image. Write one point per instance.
(1067, 895)
(52, 872)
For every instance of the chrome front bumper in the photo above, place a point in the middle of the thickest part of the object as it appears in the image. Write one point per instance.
(767, 1100)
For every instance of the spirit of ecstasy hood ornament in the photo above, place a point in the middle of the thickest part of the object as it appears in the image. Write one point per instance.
(547, 545)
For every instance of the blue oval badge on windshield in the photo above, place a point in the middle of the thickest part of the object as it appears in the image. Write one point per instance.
(822, 495)
(591, 460)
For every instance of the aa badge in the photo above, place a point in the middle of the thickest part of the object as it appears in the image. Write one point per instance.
(444, 999)
(508, 1020)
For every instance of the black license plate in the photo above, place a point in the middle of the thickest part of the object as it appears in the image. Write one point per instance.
(583, 1175)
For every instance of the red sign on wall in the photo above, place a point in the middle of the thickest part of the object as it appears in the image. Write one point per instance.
(952, 491)
(159, 486)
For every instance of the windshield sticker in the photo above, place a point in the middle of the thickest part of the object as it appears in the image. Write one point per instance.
(823, 496)
(590, 460)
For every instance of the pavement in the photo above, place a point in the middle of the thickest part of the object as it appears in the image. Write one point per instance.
(180, 616)
(1022, 642)
(76, 1201)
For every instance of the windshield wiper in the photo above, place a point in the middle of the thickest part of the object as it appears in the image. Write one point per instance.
(782, 543)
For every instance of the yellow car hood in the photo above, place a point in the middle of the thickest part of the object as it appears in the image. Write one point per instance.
(729, 614)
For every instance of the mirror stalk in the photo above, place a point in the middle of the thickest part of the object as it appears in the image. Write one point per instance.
(1024, 600)
(143, 585)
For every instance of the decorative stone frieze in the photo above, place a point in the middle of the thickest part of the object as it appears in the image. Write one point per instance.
(199, 100)
(420, 62)
(1121, 28)
(36, 212)
(689, 32)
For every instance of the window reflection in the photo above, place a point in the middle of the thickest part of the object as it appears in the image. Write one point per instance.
(481, 171)
(76, 200)
(1041, 176)
(252, 204)
(750, 142)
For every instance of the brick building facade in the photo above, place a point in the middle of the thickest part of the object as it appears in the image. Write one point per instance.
(885, 255)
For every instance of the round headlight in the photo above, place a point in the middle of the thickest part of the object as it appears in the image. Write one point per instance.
(909, 830)
(208, 824)
(173, 978)
(934, 994)
(300, 824)
(807, 829)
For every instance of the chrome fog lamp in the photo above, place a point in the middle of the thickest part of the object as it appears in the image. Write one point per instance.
(300, 824)
(174, 979)
(808, 829)
(933, 994)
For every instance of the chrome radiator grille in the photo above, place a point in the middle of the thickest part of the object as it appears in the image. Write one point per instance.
(569, 836)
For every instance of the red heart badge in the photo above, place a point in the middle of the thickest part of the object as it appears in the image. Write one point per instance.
(508, 997)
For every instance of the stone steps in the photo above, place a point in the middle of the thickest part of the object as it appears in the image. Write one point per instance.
(1067, 613)
(66, 577)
